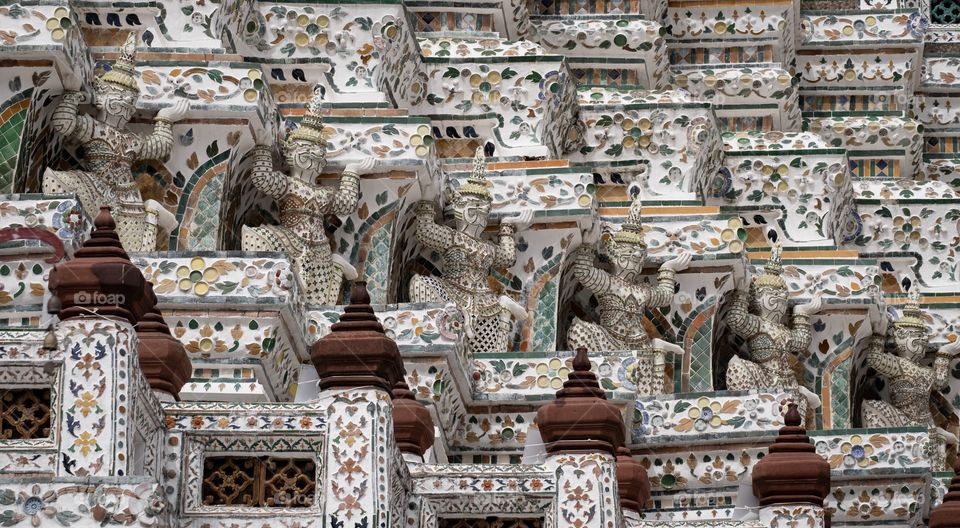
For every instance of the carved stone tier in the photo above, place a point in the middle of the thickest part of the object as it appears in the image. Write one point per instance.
(810, 185)
(704, 33)
(638, 132)
(936, 107)
(533, 91)
(872, 74)
(792, 472)
(885, 146)
(239, 318)
(765, 84)
(909, 216)
(509, 18)
(878, 28)
(710, 463)
(628, 43)
(685, 418)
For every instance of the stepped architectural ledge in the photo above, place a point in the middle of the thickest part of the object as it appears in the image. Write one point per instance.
(486, 264)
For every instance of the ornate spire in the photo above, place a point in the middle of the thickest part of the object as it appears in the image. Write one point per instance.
(100, 280)
(357, 352)
(123, 74)
(771, 271)
(311, 126)
(581, 418)
(912, 317)
(793, 472)
(632, 230)
(947, 514)
(476, 184)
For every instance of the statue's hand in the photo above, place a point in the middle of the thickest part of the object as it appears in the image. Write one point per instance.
(948, 437)
(176, 112)
(590, 235)
(678, 263)
(811, 307)
(264, 137)
(364, 166)
(951, 349)
(521, 221)
(878, 321)
(428, 188)
(71, 82)
(741, 284)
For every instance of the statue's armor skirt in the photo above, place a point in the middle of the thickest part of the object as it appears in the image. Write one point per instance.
(320, 277)
(596, 338)
(96, 190)
(909, 405)
(481, 307)
(878, 413)
(747, 375)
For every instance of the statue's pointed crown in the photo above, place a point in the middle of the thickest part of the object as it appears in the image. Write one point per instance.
(311, 126)
(123, 74)
(772, 270)
(912, 317)
(476, 184)
(632, 230)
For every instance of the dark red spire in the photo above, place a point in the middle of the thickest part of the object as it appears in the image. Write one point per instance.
(947, 514)
(412, 424)
(793, 472)
(580, 418)
(357, 352)
(163, 359)
(632, 481)
(100, 279)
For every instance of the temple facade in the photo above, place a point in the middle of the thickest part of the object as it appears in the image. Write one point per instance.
(481, 264)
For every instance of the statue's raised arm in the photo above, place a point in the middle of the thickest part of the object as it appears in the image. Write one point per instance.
(467, 261)
(621, 295)
(910, 402)
(304, 205)
(159, 144)
(770, 343)
(111, 150)
(435, 236)
(67, 119)
(739, 319)
(263, 173)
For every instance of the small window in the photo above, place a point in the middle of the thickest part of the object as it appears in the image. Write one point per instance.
(945, 11)
(25, 414)
(490, 522)
(259, 482)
